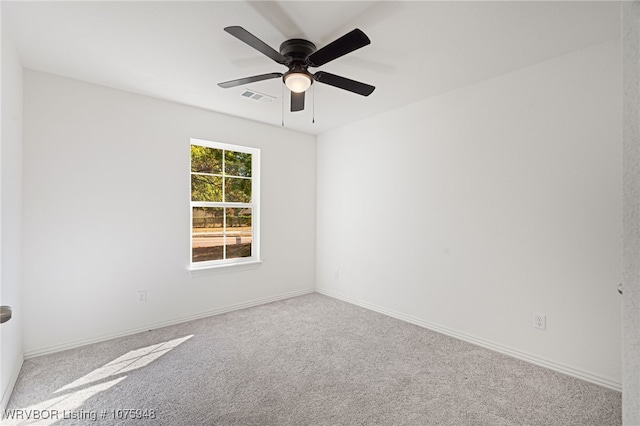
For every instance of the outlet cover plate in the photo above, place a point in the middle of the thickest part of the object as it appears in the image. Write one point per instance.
(540, 321)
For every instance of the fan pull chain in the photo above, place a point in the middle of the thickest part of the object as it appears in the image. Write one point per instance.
(282, 103)
(313, 104)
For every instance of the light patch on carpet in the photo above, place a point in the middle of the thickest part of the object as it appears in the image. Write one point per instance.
(132, 360)
(75, 394)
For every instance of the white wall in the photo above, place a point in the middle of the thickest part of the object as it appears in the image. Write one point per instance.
(106, 213)
(631, 209)
(471, 211)
(10, 217)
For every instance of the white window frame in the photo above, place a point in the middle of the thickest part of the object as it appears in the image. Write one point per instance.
(254, 205)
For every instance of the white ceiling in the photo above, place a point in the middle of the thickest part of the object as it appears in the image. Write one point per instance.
(178, 50)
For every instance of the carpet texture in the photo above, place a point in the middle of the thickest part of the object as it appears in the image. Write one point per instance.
(309, 360)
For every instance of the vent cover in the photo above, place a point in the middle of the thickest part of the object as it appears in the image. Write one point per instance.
(257, 96)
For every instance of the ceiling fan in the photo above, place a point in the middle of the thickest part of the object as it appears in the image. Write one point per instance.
(298, 55)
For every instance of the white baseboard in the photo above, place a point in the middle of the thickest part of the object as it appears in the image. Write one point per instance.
(6, 394)
(580, 374)
(217, 311)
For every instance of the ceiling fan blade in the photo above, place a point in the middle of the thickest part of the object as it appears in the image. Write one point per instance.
(344, 83)
(253, 41)
(297, 101)
(247, 80)
(347, 43)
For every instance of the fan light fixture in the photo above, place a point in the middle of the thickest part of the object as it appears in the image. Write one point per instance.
(297, 82)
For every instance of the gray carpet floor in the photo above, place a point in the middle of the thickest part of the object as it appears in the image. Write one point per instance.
(309, 360)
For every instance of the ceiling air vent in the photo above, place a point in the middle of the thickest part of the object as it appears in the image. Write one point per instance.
(256, 96)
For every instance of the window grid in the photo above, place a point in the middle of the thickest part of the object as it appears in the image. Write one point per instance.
(227, 231)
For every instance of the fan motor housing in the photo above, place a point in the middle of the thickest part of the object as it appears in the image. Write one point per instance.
(297, 49)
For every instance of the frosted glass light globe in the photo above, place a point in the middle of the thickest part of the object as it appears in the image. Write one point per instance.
(297, 82)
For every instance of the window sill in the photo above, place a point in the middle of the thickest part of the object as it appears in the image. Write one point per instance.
(196, 271)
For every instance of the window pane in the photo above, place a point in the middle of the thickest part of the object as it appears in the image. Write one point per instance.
(207, 234)
(206, 160)
(237, 190)
(239, 233)
(206, 188)
(237, 163)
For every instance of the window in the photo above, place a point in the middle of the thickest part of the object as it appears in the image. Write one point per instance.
(225, 191)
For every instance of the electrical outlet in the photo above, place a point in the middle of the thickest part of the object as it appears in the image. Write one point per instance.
(540, 321)
(142, 297)
(336, 274)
